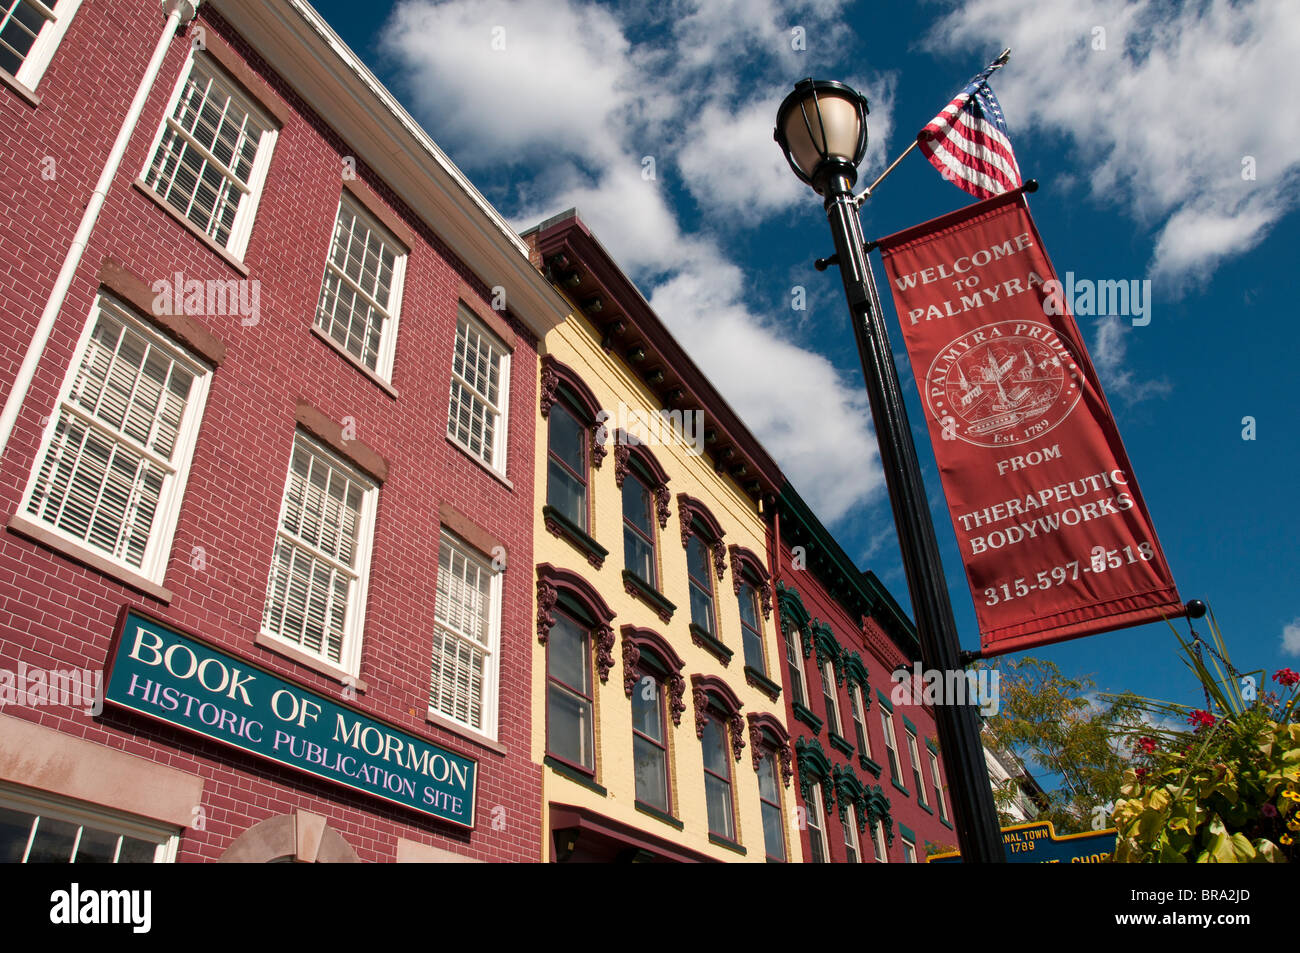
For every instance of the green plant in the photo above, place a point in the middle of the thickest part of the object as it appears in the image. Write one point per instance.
(1227, 790)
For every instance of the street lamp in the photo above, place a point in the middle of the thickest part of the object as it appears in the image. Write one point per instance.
(822, 129)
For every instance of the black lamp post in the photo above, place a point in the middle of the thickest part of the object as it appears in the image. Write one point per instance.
(822, 128)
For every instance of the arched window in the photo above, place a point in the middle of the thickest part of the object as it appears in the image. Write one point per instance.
(705, 557)
(770, 749)
(717, 722)
(817, 788)
(644, 485)
(573, 622)
(749, 579)
(652, 680)
(575, 442)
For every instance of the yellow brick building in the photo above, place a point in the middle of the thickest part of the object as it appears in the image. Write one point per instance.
(657, 714)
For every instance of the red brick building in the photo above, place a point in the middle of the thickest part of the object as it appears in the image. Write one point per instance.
(277, 400)
(870, 778)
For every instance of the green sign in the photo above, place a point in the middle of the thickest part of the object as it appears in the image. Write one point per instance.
(157, 671)
(1038, 843)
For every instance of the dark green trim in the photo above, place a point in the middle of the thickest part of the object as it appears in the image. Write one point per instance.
(910, 727)
(711, 645)
(573, 774)
(658, 815)
(907, 833)
(944, 821)
(925, 807)
(790, 604)
(768, 687)
(575, 534)
(932, 746)
(841, 743)
(805, 715)
(828, 648)
(870, 765)
(855, 670)
(647, 592)
(729, 844)
(894, 782)
(885, 702)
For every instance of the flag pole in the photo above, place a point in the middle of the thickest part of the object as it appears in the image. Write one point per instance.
(997, 64)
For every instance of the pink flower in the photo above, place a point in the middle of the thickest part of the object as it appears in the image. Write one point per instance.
(1286, 677)
(1201, 719)
(1147, 744)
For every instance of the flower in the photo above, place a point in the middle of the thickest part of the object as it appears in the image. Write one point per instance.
(1286, 677)
(1141, 772)
(1201, 719)
(1292, 795)
(1285, 839)
(1269, 811)
(1147, 744)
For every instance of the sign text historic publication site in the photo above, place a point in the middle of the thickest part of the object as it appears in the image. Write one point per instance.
(1054, 534)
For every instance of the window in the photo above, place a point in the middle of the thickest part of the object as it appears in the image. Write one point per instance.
(794, 660)
(112, 465)
(938, 785)
(717, 777)
(817, 826)
(751, 633)
(697, 572)
(30, 32)
(916, 766)
(639, 530)
(859, 721)
(909, 851)
(480, 379)
(769, 795)
(828, 695)
(463, 681)
(569, 701)
(891, 743)
(315, 596)
(566, 474)
(210, 157)
(362, 288)
(851, 835)
(41, 828)
(650, 743)
(878, 832)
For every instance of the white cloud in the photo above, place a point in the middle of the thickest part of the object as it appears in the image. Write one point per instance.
(575, 106)
(1291, 637)
(1108, 350)
(1164, 115)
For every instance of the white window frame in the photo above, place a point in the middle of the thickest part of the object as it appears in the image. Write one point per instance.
(831, 695)
(500, 443)
(817, 820)
(891, 744)
(349, 663)
(851, 833)
(793, 652)
(858, 706)
(878, 838)
(909, 852)
(918, 775)
(153, 565)
(242, 227)
(57, 807)
(39, 57)
(388, 341)
(492, 665)
(938, 787)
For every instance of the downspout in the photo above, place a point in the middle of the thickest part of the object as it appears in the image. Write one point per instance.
(179, 12)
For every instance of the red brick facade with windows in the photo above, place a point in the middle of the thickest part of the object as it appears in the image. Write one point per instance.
(274, 377)
(835, 614)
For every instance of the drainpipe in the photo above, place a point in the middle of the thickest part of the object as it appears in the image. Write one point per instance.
(179, 13)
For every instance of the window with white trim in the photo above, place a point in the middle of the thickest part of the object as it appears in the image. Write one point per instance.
(878, 835)
(891, 742)
(36, 828)
(830, 698)
(362, 288)
(467, 619)
(794, 661)
(315, 597)
(851, 835)
(210, 156)
(909, 851)
(817, 826)
(113, 461)
(480, 379)
(938, 785)
(859, 720)
(30, 32)
(916, 767)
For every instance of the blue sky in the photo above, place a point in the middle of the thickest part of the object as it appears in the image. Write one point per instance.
(1160, 133)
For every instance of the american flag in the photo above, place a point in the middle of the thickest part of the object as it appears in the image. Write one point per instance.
(968, 142)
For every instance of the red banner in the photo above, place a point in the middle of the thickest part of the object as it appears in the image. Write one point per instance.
(1053, 531)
